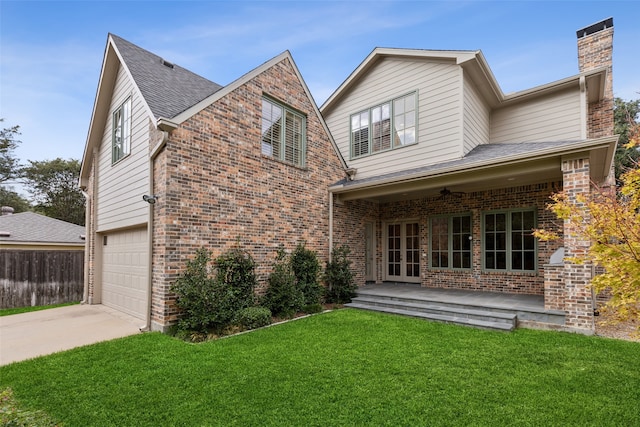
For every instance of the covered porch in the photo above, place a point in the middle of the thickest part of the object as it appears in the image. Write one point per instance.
(488, 310)
(460, 234)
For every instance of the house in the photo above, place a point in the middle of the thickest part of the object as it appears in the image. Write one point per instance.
(41, 260)
(418, 162)
(448, 175)
(174, 162)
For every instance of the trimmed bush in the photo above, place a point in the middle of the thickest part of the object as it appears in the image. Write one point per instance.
(254, 317)
(235, 269)
(282, 297)
(341, 286)
(213, 303)
(306, 269)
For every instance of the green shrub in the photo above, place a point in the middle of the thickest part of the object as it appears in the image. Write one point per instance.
(254, 317)
(341, 286)
(212, 303)
(306, 269)
(282, 297)
(196, 295)
(235, 270)
(312, 308)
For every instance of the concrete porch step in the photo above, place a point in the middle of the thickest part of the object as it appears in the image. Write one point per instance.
(434, 316)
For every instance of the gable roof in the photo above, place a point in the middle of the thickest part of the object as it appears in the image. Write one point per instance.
(30, 227)
(286, 55)
(475, 65)
(171, 93)
(168, 89)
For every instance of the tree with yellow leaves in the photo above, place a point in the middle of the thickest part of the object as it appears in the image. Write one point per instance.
(610, 220)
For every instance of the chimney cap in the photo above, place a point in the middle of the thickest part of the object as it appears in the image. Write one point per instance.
(599, 26)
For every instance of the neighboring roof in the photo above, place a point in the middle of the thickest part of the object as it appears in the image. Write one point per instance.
(167, 88)
(485, 155)
(30, 227)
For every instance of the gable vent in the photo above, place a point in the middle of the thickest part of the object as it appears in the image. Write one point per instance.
(167, 63)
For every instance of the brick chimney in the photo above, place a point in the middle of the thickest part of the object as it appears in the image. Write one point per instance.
(595, 50)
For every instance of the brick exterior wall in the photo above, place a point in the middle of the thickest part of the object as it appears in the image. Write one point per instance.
(218, 191)
(554, 291)
(594, 51)
(351, 216)
(577, 277)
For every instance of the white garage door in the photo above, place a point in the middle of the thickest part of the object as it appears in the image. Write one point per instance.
(124, 271)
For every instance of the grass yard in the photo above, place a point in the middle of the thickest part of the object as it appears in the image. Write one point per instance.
(346, 367)
(18, 310)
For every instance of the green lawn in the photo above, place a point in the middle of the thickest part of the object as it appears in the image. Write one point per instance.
(10, 311)
(346, 367)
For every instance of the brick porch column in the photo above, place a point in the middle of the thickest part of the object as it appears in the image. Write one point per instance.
(577, 277)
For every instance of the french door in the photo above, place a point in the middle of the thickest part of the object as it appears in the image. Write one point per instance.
(403, 251)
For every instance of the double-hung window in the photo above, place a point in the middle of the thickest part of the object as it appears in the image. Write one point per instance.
(508, 240)
(121, 137)
(283, 133)
(450, 246)
(389, 125)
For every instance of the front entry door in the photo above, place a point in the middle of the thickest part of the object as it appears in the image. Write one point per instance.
(403, 252)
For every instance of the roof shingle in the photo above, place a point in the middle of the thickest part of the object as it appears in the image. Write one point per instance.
(35, 228)
(167, 88)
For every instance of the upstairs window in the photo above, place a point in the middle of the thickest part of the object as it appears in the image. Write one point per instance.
(283, 133)
(384, 127)
(121, 138)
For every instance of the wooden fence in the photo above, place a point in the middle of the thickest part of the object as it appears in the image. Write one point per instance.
(32, 278)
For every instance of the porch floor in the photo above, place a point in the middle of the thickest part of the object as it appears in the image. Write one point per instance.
(528, 310)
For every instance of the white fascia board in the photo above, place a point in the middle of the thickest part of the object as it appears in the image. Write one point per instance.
(87, 155)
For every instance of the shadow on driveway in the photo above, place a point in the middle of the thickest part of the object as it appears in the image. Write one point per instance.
(38, 333)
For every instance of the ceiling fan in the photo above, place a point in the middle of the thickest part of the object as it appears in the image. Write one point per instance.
(446, 193)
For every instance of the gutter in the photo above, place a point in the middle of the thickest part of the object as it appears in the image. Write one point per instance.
(154, 153)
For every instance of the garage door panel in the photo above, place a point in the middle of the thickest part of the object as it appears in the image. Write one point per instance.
(124, 272)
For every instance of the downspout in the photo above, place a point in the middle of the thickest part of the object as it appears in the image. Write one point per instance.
(330, 225)
(87, 236)
(154, 153)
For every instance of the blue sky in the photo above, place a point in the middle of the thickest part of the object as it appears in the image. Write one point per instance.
(51, 51)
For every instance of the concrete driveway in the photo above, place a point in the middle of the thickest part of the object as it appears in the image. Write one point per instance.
(27, 335)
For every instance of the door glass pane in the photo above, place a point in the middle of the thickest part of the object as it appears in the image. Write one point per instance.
(412, 250)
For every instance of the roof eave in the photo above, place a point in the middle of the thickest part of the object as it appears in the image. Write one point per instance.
(607, 143)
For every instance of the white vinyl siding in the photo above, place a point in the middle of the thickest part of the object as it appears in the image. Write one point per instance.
(476, 118)
(548, 118)
(438, 88)
(121, 185)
